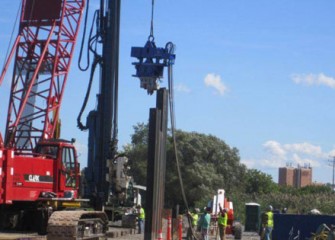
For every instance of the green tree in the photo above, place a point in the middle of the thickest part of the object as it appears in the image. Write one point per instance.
(206, 162)
(137, 153)
(259, 182)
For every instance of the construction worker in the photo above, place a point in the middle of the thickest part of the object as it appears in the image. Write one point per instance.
(222, 222)
(204, 223)
(140, 218)
(267, 223)
(194, 219)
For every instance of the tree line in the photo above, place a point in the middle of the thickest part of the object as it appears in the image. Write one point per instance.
(207, 164)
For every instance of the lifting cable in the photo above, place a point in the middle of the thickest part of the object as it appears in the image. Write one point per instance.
(11, 36)
(170, 48)
(151, 36)
(171, 97)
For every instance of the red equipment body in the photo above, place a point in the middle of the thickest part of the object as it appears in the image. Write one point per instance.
(220, 200)
(39, 173)
(37, 177)
(43, 50)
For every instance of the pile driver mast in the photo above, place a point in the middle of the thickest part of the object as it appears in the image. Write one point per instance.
(102, 122)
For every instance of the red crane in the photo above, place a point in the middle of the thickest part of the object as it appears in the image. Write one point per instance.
(39, 173)
(42, 54)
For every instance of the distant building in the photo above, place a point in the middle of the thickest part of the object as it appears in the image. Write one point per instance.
(303, 176)
(296, 177)
(286, 176)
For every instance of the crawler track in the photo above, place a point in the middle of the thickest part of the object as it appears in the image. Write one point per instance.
(70, 225)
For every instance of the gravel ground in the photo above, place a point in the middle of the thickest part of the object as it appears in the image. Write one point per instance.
(116, 232)
(245, 236)
(133, 236)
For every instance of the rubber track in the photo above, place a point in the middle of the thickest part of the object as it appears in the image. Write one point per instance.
(64, 224)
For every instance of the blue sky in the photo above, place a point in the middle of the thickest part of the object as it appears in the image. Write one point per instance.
(259, 75)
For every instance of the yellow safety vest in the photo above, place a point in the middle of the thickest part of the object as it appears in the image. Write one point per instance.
(195, 218)
(222, 220)
(270, 219)
(142, 214)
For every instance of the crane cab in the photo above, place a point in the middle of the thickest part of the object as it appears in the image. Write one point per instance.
(66, 170)
(37, 183)
(51, 171)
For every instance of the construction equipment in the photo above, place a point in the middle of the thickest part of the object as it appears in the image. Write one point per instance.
(104, 163)
(39, 172)
(323, 233)
(105, 179)
(102, 122)
(220, 200)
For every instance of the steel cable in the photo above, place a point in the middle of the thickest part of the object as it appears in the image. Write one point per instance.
(12, 34)
(151, 36)
(173, 132)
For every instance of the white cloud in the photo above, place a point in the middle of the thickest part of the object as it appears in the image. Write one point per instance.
(305, 148)
(278, 155)
(275, 148)
(272, 162)
(182, 88)
(332, 153)
(314, 79)
(215, 81)
(304, 161)
(250, 163)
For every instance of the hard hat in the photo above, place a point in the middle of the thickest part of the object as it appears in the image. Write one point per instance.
(197, 210)
(270, 208)
(226, 209)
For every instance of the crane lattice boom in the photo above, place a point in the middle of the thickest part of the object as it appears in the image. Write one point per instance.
(43, 51)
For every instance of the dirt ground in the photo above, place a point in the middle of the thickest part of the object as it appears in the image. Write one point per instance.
(133, 236)
(118, 233)
(245, 236)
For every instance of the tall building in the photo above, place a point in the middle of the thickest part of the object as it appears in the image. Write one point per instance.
(296, 177)
(303, 176)
(286, 176)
